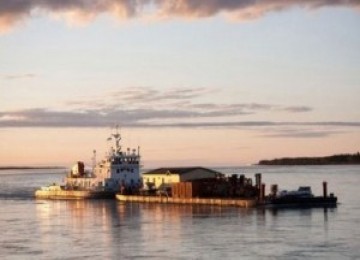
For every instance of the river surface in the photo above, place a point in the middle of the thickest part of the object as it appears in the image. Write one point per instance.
(45, 229)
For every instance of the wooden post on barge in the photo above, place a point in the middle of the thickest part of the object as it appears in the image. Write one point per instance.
(262, 193)
(258, 186)
(258, 180)
(325, 189)
(274, 190)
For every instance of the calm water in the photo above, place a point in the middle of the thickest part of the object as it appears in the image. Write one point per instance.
(40, 229)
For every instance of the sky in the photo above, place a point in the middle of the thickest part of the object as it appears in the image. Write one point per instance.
(206, 83)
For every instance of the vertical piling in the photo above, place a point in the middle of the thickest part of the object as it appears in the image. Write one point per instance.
(258, 184)
(274, 190)
(242, 180)
(262, 192)
(258, 180)
(325, 189)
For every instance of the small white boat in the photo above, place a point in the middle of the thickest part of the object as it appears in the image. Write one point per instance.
(302, 192)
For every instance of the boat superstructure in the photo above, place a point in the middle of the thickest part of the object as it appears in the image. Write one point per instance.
(301, 192)
(118, 170)
(302, 197)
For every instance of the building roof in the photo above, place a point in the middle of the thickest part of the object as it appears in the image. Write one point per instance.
(178, 170)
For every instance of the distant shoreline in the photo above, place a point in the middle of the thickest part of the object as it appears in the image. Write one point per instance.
(338, 159)
(30, 167)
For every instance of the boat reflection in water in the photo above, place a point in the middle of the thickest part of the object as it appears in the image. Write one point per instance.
(99, 224)
(113, 229)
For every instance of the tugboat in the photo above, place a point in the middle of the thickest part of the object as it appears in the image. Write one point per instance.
(303, 197)
(119, 170)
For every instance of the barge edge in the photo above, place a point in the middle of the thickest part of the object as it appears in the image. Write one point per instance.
(73, 194)
(241, 203)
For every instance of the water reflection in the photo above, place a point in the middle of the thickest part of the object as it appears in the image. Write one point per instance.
(128, 229)
(302, 211)
(111, 228)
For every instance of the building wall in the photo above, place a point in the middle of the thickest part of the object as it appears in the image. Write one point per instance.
(160, 179)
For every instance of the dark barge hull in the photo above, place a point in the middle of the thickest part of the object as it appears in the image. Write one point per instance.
(297, 202)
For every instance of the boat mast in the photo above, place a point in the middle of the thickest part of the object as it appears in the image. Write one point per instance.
(117, 139)
(93, 159)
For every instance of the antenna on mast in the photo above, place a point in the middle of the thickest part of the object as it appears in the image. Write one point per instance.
(117, 139)
(93, 159)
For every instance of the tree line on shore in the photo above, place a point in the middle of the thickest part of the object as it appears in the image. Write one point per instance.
(338, 159)
(30, 167)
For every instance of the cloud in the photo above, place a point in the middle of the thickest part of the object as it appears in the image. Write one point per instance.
(302, 133)
(140, 107)
(176, 99)
(135, 118)
(297, 109)
(134, 107)
(242, 9)
(177, 108)
(140, 98)
(12, 12)
(19, 76)
(142, 94)
(152, 118)
(138, 118)
(101, 118)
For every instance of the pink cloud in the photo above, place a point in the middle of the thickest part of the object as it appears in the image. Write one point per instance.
(13, 12)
